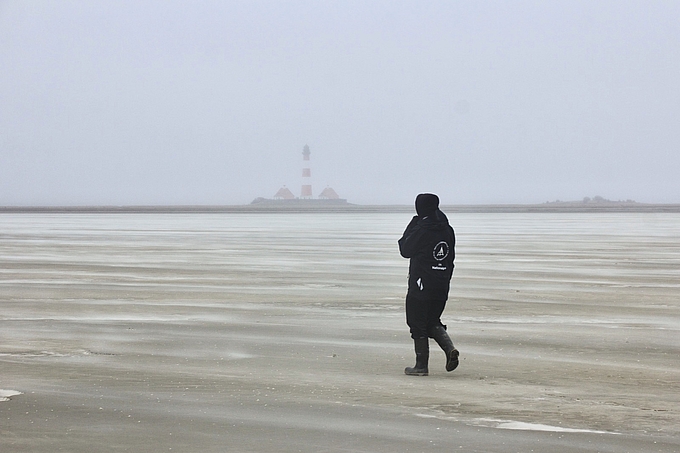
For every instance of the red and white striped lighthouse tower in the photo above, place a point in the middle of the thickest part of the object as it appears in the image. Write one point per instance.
(306, 191)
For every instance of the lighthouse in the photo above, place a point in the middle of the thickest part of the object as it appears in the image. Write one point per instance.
(284, 196)
(306, 191)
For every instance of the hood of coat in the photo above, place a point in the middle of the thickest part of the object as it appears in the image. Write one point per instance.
(427, 204)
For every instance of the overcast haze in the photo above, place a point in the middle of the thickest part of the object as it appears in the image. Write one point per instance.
(201, 102)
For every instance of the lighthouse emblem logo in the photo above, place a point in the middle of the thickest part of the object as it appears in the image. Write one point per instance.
(441, 251)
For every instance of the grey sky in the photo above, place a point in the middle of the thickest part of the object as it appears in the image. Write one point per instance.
(211, 102)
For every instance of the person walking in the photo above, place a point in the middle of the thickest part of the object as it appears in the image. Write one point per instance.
(429, 242)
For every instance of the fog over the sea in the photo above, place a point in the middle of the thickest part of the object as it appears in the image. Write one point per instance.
(211, 102)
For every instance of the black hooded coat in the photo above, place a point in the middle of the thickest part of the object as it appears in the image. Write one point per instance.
(430, 243)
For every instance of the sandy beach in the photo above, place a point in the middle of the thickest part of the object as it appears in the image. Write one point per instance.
(259, 332)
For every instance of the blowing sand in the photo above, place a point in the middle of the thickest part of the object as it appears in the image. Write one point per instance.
(285, 332)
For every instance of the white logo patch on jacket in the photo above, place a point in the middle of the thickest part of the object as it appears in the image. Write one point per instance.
(439, 253)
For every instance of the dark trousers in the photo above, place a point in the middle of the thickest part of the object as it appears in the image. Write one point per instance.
(423, 314)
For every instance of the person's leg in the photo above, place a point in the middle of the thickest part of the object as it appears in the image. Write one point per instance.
(416, 319)
(437, 330)
(444, 341)
(435, 308)
(422, 348)
(417, 311)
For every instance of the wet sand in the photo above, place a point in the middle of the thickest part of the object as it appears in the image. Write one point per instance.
(285, 332)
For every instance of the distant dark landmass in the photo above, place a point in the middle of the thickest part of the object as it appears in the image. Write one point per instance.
(317, 205)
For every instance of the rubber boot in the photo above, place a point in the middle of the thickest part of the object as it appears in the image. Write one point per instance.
(422, 347)
(444, 341)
